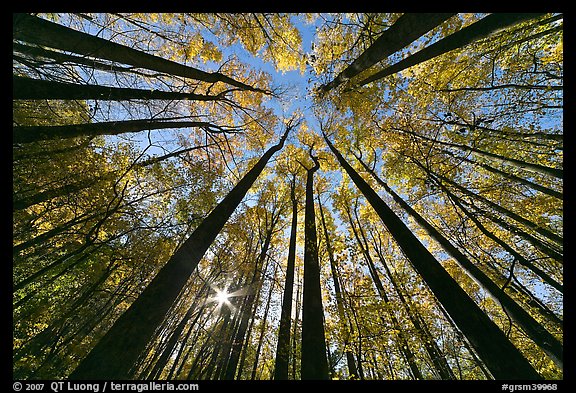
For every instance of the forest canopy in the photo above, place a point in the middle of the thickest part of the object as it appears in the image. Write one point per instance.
(371, 196)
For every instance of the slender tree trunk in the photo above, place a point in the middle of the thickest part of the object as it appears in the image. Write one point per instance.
(523, 261)
(405, 30)
(352, 370)
(506, 212)
(295, 336)
(501, 357)
(45, 33)
(402, 344)
(29, 134)
(24, 88)
(113, 355)
(537, 168)
(283, 345)
(263, 326)
(438, 359)
(314, 361)
(527, 323)
(483, 28)
(532, 185)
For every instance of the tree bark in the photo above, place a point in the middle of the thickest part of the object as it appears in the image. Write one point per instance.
(501, 357)
(542, 169)
(114, 354)
(402, 343)
(283, 345)
(404, 31)
(527, 323)
(24, 88)
(314, 363)
(476, 31)
(351, 362)
(29, 134)
(42, 32)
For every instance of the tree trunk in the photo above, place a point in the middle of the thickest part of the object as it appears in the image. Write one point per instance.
(532, 185)
(24, 88)
(523, 261)
(113, 355)
(295, 336)
(438, 359)
(404, 31)
(506, 212)
(45, 33)
(500, 356)
(527, 323)
(314, 362)
(537, 168)
(283, 345)
(352, 370)
(29, 134)
(483, 28)
(263, 326)
(247, 312)
(402, 344)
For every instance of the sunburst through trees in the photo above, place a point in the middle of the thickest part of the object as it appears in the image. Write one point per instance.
(370, 196)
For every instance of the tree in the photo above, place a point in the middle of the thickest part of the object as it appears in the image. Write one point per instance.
(114, 355)
(468, 316)
(314, 361)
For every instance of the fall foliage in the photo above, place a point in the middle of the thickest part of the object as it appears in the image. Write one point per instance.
(368, 196)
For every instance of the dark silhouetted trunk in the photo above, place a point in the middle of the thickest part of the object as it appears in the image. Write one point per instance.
(544, 170)
(28, 134)
(39, 31)
(407, 28)
(38, 89)
(501, 357)
(283, 345)
(527, 323)
(314, 361)
(476, 31)
(117, 351)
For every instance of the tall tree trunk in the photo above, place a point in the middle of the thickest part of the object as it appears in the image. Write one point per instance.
(114, 354)
(402, 344)
(39, 31)
(263, 325)
(510, 176)
(314, 361)
(438, 359)
(523, 261)
(504, 211)
(24, 88)
(501, 357)
(29, 134)
(295, 336)
(352, 370)
(476, 31)
(537, 168)
(404, 31)
(527, 323)
(248, 308)
(283, 345)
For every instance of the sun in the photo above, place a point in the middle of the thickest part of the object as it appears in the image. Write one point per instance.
(222, 297)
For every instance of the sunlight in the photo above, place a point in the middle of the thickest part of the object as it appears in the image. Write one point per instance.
(222, 297)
